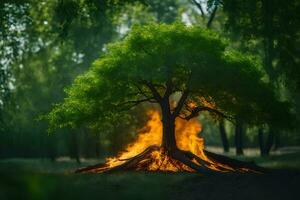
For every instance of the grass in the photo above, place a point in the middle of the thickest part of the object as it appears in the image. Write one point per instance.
(43, 179)
(289, 161)
(284, 158)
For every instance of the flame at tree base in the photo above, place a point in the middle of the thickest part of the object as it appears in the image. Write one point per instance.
(154, 158)
(146, 153)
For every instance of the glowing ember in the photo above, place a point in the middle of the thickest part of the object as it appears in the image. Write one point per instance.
(187, 139)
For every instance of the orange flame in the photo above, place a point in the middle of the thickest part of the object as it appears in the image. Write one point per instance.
(187, 138)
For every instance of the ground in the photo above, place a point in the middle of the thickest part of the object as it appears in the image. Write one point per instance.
(43, 179)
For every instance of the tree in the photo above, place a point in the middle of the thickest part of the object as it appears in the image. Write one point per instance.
(238, 137)
(275, 25)
(157, 62)
(209, 13)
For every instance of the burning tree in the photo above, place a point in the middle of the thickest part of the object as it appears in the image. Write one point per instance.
(183, 70)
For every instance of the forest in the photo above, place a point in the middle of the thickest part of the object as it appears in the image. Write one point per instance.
(149, 99)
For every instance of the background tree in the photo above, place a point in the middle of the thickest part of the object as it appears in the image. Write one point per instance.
(275, 26)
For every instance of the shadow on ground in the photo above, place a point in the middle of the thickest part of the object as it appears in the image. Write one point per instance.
(37, 179)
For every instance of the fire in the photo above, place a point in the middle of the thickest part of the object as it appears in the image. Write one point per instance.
(187, 139)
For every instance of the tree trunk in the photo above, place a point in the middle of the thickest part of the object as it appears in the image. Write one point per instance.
(269, 142)
(261, 142)
(239, 138)
(265, 146)
(168, 121)
(269, 42)
(224, 136)
(212, 16)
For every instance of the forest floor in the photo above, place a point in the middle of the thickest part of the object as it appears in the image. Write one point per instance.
(42, 179)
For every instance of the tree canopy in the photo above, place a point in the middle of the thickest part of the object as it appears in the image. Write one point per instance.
(277, 24)
(157, 60)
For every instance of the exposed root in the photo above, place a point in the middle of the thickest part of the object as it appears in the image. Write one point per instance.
(129, 163)
(92, 168)
(238, 165)
(155, 158)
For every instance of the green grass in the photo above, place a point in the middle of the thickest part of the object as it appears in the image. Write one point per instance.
(43, 179)
(289, 161)
(53, 183)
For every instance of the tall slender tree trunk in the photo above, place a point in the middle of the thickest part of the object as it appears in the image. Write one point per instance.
(239, 138)
(224, 136)
(266, 145)
(269, 50)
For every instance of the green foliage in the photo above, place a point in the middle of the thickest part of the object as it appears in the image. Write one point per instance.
(275, 22)
(43, 46)
(190, 58)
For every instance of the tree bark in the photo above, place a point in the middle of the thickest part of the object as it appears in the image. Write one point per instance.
(269, 142)
(212, 16)
(168, 121)
(261, 142)
(265, 146)
(224, 136)
(239, 138)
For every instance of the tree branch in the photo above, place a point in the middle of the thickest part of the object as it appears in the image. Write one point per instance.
(183, 97)
(198, 109)
(212, 16)
(153, 90)
(136, 102)
(141, 91)
(199, 6)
